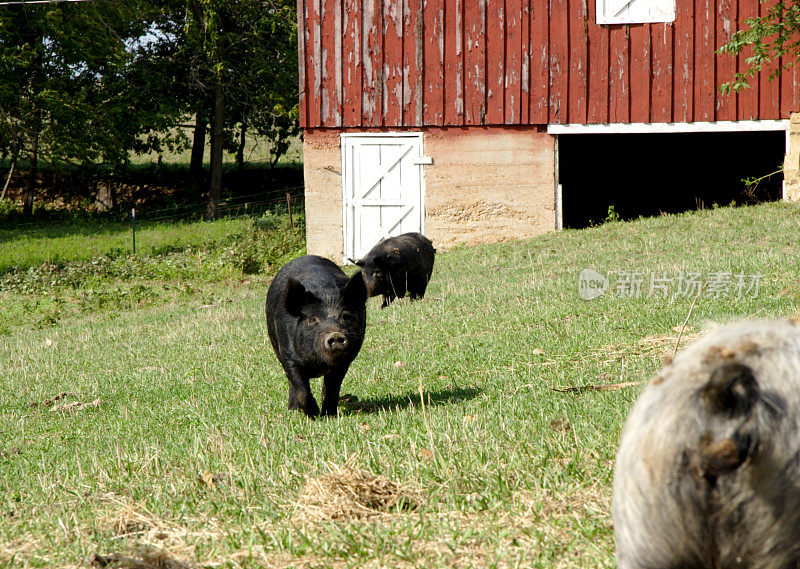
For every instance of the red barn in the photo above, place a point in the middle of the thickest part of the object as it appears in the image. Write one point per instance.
(466, 118)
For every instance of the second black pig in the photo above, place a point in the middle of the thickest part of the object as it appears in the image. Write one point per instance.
(398, 264)
(316, 318)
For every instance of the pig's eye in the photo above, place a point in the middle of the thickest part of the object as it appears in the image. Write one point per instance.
(312, 320)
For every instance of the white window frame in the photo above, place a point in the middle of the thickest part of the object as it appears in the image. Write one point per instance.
(620, 12)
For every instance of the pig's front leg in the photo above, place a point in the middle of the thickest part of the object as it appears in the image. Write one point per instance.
(300, 396)
(330, 391)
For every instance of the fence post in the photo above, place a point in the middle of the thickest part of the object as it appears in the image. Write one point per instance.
(133, 223)
(289, 207)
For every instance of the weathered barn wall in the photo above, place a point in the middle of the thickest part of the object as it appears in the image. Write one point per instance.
(412, 63)
(485, 184)
(489, 184)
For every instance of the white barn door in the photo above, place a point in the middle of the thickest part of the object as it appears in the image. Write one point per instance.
(383, 189)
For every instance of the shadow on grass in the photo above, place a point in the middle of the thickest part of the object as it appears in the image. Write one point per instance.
(350, 404)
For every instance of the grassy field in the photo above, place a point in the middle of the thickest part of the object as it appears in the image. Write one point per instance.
(472, 429)
(256, 150)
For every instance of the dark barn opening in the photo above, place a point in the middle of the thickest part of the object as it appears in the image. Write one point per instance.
(647, 174)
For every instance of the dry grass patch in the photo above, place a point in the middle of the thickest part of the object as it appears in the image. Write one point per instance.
(21, 548)
(347, 492)
(654, 347)
(539, 530)
(150, 542)
(145, 559)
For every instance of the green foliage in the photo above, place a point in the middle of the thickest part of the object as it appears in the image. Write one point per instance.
(250, 49)
(48, 274)
(7, 208)
(89, 84)
(64, 97)
(612, 214)
(752, 183)
(772, 36)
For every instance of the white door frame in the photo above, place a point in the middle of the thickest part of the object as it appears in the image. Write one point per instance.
(672, 127)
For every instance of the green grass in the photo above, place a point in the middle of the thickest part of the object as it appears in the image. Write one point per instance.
(256, 150)
(185, 453)
(53, 272)
(63, 243)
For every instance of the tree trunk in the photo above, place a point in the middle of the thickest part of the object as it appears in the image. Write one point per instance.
(36, 81)
(217, 123)
(240, 150)
(8, 180)
(198, 144)
(27, 201)
(104, 199)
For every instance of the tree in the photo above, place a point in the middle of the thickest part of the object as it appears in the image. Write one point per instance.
(87, 84)
(244, 56)
(772, 36)
(65, 95)
(265, 94)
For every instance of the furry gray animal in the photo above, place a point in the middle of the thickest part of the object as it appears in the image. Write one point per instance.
(708, 471)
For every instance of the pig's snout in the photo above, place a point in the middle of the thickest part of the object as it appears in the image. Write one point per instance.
(335, 342)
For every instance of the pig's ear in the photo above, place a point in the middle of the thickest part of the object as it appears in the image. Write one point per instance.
(359, 263)
(730, 394)
(731, 390)
(354, 292)
(295, 298)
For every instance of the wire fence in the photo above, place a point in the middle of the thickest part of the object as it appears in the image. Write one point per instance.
(289, 200)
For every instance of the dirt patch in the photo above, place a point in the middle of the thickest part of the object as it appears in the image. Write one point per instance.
(142, 560)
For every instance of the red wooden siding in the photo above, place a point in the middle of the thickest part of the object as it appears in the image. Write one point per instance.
(414, 63)
(352, 66)
(540, 62)
(512, 86)
(725, 66)
(662, 65)
(475, 61)
(433, 61)
(495, 62)
(598, 40)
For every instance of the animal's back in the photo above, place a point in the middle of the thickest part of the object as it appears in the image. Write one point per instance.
(709, 476)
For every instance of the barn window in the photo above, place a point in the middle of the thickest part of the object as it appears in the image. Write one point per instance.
(635, 11)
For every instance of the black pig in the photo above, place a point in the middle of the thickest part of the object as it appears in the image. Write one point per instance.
(398, 264)
(316, 318)
(708, 470)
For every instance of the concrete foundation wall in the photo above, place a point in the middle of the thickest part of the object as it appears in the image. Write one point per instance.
(791, 163)
(486, 184)
(322, 171)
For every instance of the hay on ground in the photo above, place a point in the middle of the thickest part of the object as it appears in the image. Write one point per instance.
(348, 492)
